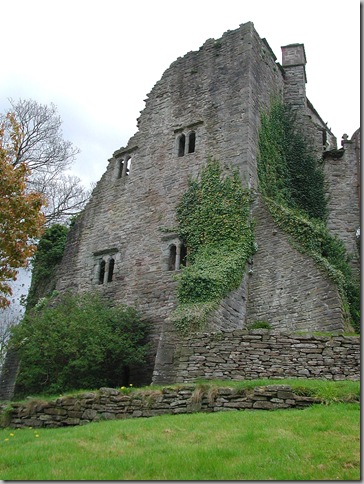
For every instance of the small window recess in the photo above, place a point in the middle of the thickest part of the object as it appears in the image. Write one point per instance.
(105, 266)
(324, 139)
(123, 162)
(123, 167)
(186, 139)
(191, 142)
(177, 256)
(181, 145)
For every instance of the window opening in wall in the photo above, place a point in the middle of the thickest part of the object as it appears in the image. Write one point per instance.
(183, 255)
(181, 145)
(102, 272)
(123, 167)
(324, 138)
(111, 270)
(191, 142)
(119, 168)
(172, 258)
(128, 166)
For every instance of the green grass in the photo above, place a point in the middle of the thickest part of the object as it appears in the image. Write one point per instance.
(327, 390)
(321, 442)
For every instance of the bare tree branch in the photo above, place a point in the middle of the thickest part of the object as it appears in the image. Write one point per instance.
(48, 156)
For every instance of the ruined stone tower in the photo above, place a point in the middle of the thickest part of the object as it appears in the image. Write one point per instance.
(207, 104)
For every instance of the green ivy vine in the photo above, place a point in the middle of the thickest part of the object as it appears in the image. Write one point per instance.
(291, 182)
(215, 225)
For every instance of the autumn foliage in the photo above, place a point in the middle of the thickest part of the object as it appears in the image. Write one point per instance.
(21, 218)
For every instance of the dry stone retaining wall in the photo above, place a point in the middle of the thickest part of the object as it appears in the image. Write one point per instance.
(111, 404)
(248, 355)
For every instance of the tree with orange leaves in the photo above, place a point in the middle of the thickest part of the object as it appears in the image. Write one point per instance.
(21, 218)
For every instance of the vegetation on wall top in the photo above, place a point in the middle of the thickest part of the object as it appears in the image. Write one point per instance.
(215, 225)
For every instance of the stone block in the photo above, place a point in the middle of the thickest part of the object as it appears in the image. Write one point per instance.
(263, 405)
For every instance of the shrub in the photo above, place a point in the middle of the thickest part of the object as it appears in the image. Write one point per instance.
(78, 341)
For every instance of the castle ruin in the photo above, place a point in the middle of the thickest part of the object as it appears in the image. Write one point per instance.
(208, 104)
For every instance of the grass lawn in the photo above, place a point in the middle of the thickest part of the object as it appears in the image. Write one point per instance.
(319, 443)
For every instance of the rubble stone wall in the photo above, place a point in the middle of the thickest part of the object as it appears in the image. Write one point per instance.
(248, 355)
(111, 404)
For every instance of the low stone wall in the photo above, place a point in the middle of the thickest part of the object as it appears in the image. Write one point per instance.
(110, 404)
(249, 355)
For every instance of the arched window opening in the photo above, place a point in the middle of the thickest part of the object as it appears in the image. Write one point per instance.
(120, 165)
(183, 255)
(110, 273)
(181, 145)
(102, 272)
(191, 142)
(172, 258)
(128, 166)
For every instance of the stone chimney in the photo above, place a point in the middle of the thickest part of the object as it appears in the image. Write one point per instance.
(293, 63)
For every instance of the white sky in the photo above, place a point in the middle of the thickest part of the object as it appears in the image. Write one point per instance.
(97, 60)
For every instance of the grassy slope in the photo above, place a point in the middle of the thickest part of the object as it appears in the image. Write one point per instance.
(318, 443)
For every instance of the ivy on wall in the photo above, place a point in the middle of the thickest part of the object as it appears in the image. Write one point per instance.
(215, 225)
(45, 262)
(291, 182)
(288, 172)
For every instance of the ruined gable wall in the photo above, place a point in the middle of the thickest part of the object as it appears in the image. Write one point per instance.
(217, 92)
(343, 183)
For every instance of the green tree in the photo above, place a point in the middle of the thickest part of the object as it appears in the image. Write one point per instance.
(78, 341)
(21, 218)
(45, 263)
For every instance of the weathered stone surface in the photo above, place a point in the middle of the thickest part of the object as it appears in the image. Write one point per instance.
(289, 359)
(204, 400)
(214, 96)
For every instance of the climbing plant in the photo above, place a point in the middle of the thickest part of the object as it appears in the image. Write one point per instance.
(288, 171)
(292, 184)
(214, 224)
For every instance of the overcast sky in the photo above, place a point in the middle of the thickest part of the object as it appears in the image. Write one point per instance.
(97, 60)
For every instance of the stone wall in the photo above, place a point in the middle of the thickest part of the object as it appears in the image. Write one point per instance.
(8, 375)
(342, 172)
(111, 404)
(286, 288)
(217, 92)
(248, 355)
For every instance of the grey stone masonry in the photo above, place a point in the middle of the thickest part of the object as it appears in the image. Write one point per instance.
(260, 353)
(207, 104)
(286, 288)
(112, 404)
(342, 172)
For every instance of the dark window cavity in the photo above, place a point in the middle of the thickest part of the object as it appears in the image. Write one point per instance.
(181, 145)
(172, 258)
(110, 272)
(191, 142)
(102, 271)
(183, 256)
